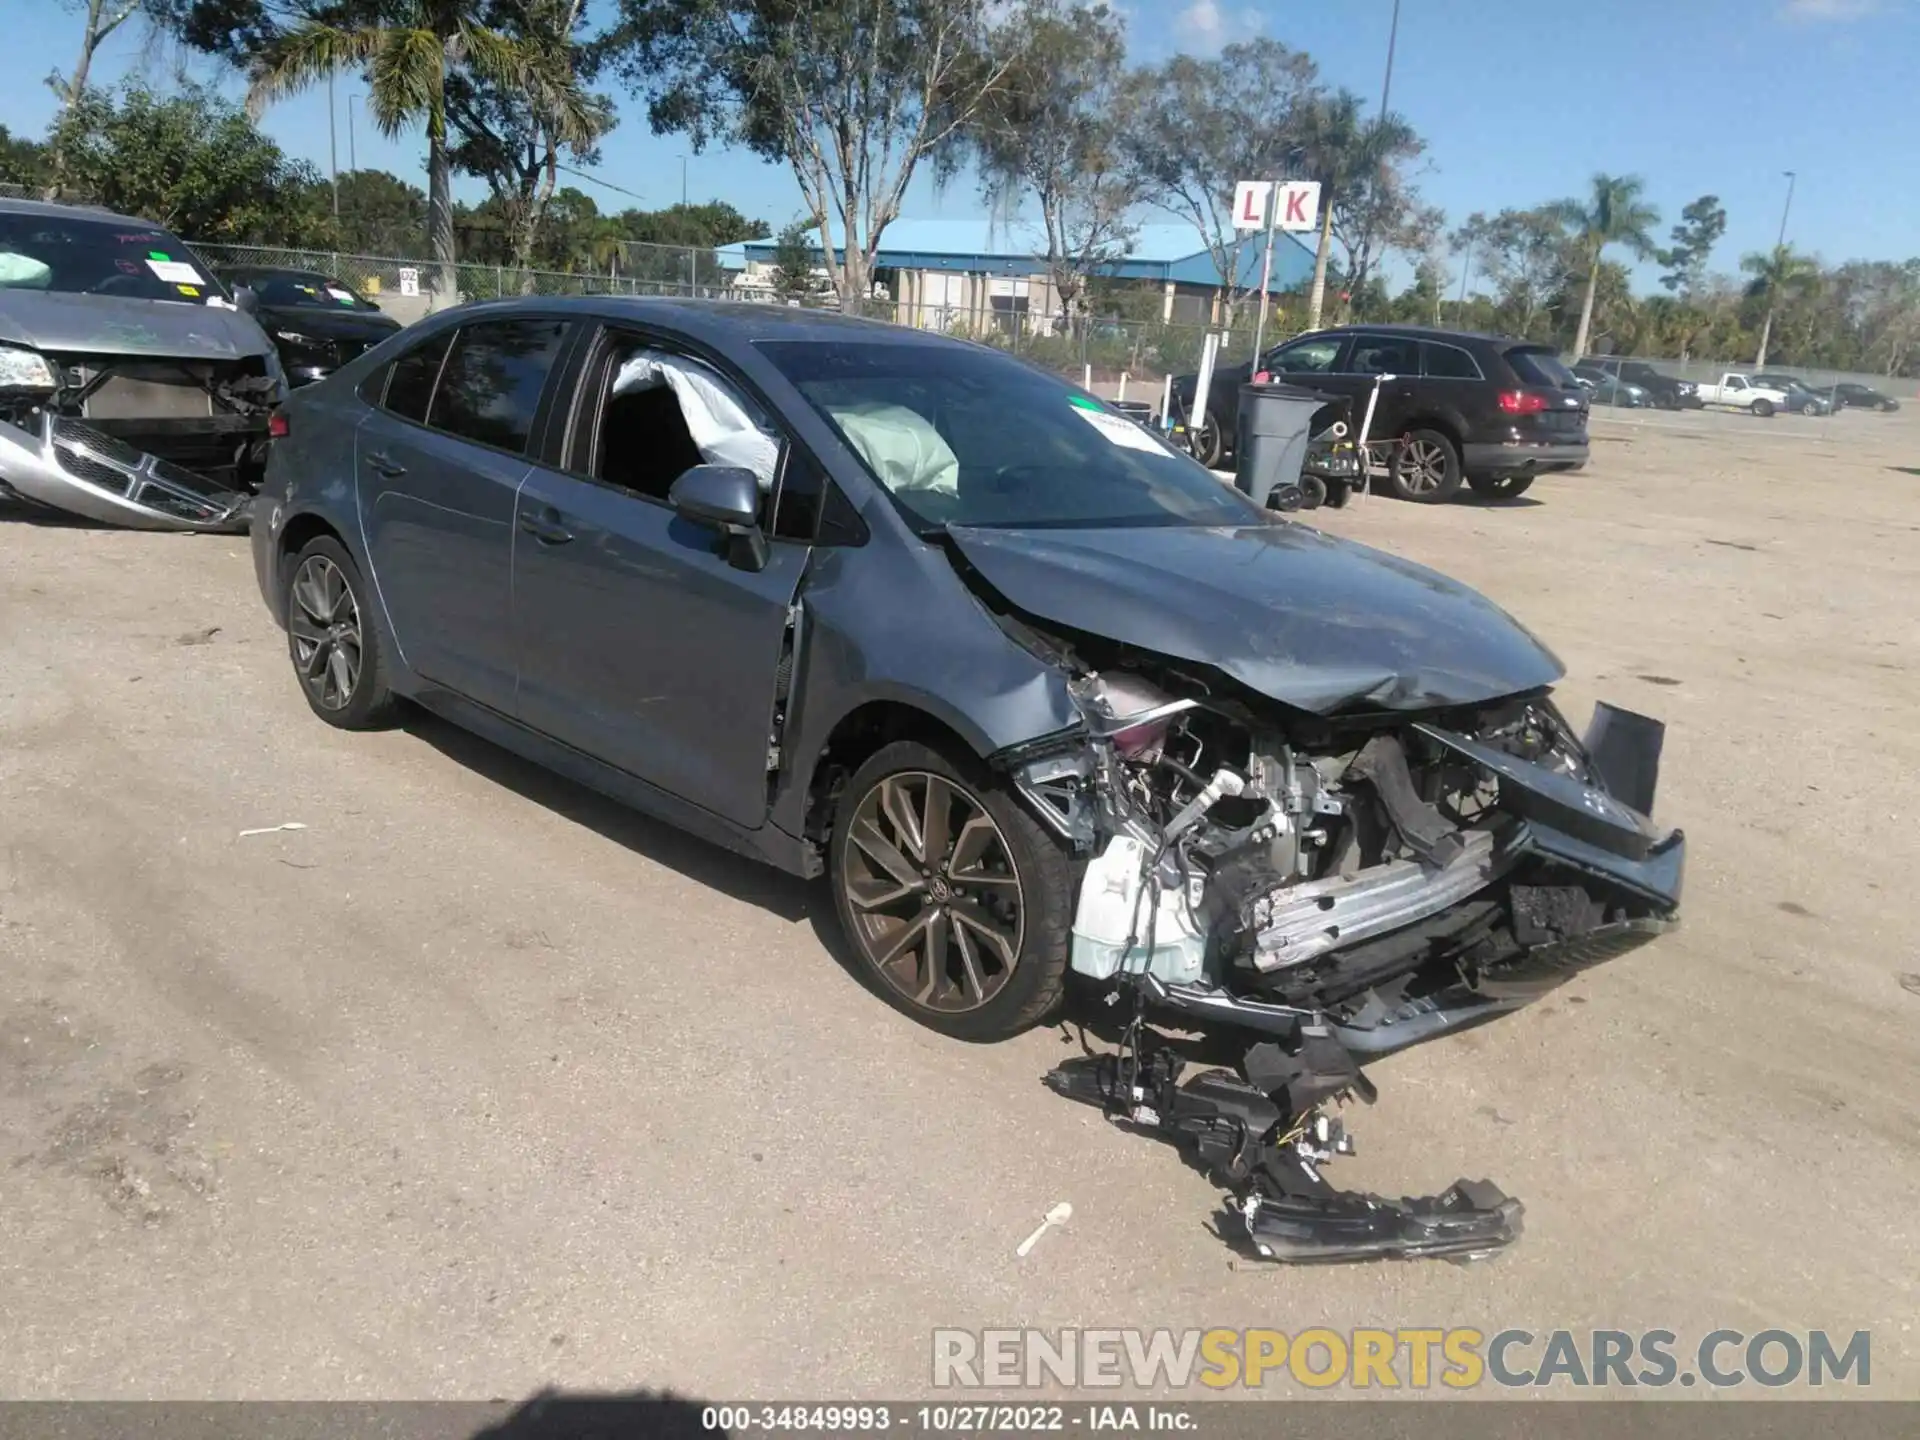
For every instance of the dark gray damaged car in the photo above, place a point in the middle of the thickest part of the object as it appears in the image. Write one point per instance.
(1035, 693)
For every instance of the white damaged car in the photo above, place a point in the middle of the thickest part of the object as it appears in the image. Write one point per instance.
(134, 390)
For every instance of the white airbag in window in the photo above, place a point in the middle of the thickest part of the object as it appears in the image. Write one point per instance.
(900, 446)
(722, 430)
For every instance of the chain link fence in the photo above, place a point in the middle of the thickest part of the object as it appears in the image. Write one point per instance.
(382, 276)
(1097, 351)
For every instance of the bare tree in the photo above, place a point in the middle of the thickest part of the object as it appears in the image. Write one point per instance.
(854, 95)
(1198, 126)
(103, 17)
(1053, 132)
(508, 137)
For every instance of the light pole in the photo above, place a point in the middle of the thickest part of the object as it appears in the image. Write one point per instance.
(1393, 34)
(683, 182)
(1784, 209)
(352, 164)
(1386, 91)
(333, 148)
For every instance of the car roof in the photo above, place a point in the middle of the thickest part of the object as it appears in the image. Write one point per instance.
(1428, 332)
(714, 320)
(73, 212)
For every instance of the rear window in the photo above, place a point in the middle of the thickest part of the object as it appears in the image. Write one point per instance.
(491, 384)
(1450, 362)
(1539, 366)
(411, 384)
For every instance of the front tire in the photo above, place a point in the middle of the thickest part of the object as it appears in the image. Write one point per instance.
(955, 903)
(333, 641)
(1501, 487)
(1425, 469)
(1763, 408)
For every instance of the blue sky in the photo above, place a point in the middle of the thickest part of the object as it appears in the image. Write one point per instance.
(1520, 101)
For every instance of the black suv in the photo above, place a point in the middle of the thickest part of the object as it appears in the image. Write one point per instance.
(1490, 411)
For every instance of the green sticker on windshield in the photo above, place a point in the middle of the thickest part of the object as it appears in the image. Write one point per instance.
(1083, 402)
(158, 255)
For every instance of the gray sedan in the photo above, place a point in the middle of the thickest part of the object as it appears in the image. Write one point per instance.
(1033, 690)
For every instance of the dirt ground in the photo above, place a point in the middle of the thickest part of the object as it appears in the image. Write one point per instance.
(477, 1084)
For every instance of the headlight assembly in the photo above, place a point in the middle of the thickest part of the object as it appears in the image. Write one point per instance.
(26, 370)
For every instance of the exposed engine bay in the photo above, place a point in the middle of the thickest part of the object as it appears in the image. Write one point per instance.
(1317, 892)
(168, 444)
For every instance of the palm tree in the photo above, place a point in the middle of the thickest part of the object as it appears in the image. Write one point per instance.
(1777, 273)
(1614, 214)
(1338, 148)
(407, 62)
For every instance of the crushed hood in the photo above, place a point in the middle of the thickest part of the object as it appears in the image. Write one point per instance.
(1308, 619)
(111, 325)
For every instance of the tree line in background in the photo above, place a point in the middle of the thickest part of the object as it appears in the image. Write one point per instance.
(856, 97)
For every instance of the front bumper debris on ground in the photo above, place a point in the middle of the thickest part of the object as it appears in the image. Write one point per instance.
(69, 465)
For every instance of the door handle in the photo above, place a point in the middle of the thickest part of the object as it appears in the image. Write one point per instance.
(386, 464)
(545, 526)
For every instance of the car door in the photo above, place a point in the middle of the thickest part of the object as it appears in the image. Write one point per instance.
(1451, 379)
(439, 463)
(1393, 363)
(643, 640)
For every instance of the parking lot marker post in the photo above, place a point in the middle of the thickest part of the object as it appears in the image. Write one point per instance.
(1266, 272)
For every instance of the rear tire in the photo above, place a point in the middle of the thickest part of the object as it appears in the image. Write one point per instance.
(992, 896)
(1209, 443)
(1425, 469)
(1501, 487)
(1763, 408)
(333, 639)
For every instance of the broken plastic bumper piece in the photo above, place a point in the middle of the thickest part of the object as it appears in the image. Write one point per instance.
(1469, 1221)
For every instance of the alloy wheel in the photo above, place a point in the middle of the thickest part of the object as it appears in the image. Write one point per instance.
(934, 893)
(325, 623)
(1423, 467)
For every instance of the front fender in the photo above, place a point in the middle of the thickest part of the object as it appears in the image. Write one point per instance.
(899, 626)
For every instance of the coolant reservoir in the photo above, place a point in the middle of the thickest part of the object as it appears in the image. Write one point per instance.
(1106, 916)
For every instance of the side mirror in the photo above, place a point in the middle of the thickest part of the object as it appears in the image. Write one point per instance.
(244, 297)
(728, 498)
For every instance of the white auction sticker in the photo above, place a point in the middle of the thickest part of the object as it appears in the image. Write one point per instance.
(1117, 428)
(345, 297)
(176, 272)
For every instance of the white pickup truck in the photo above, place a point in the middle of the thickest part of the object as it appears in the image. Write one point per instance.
(1739, 392)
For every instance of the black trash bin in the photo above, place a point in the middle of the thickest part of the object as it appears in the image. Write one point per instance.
(1276, 421)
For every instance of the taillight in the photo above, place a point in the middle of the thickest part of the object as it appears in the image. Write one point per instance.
(1521, 402)
(278, 426)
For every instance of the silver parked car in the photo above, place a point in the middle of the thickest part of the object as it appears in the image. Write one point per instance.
(133, 388)
(1034, 692)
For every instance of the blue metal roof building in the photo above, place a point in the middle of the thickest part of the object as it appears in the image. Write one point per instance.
(929, 259)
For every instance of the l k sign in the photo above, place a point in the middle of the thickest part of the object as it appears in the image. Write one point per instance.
(1296, 202)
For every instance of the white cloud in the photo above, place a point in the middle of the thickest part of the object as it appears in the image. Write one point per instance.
(1828, 11)
(1206, 25)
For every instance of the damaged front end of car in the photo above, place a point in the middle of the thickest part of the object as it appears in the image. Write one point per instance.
(1309, 892)
(146, 443)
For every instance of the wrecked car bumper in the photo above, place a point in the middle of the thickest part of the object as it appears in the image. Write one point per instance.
(1336, 898)
(70, 465)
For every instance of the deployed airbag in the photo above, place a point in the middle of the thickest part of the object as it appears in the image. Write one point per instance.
(722, 430)
(900, 446)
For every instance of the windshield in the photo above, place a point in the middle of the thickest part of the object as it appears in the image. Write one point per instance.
(76, 255)
(287, 290)
(968, 437)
